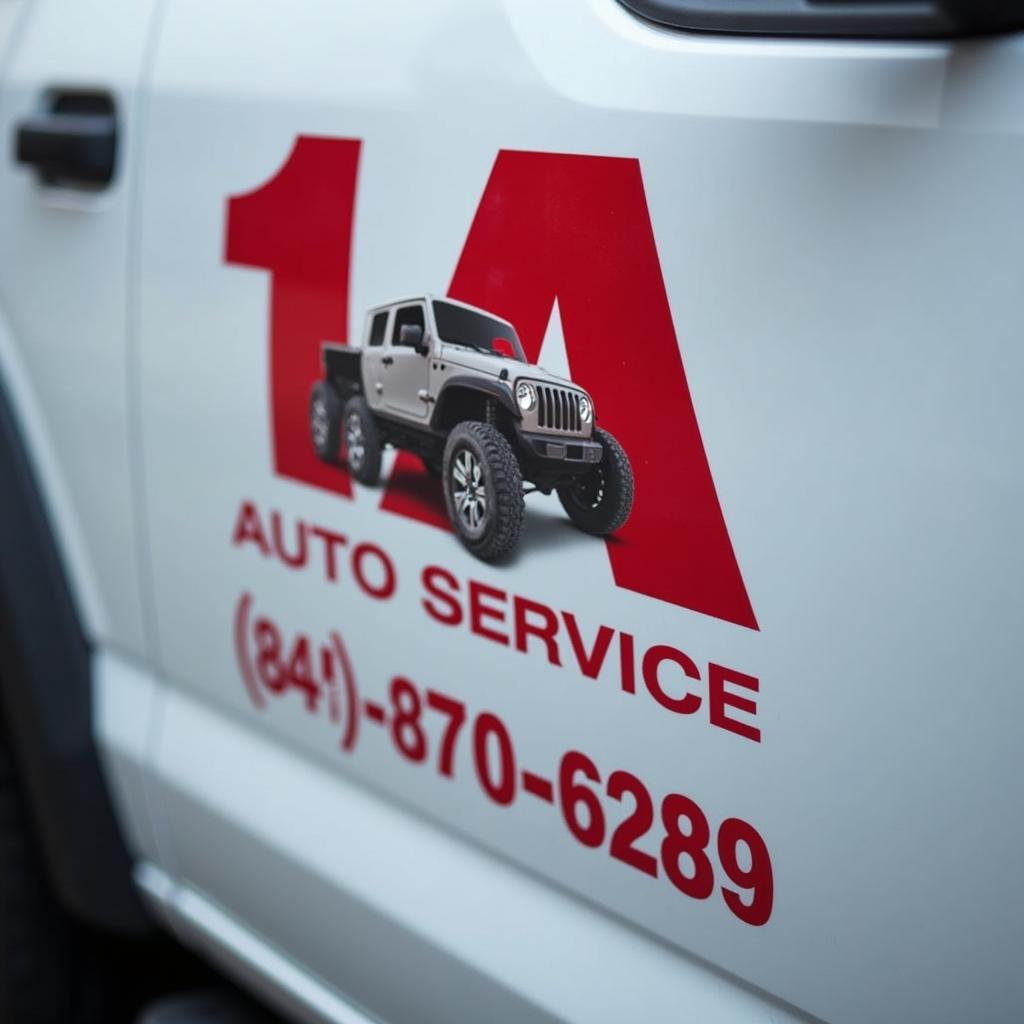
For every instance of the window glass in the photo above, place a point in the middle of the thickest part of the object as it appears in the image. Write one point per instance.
(407, 315)
(460, 326)
(380, 322)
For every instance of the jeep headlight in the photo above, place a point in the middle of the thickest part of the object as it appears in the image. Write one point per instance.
(526, 395)
(586, 409)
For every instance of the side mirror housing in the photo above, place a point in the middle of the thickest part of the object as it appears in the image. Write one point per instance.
(411, 336)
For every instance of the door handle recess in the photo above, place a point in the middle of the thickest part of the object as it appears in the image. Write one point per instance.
(70, 145)
(387, 360)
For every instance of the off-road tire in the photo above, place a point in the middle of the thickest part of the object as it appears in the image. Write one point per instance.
(325, 421)
(362, 455)
(500, 482)
(599, 501)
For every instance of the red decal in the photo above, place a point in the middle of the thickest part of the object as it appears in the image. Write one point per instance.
(498, 782)
(479, 610)
(635, 826)
(590, 664)
(549, 227)
(450, 614)
(249, 529)
(348, 741)
(685, 833)
(688, 703)
(375, 712)
(299, 227)
(455, 712)
(545, 630)
(270, 663)
(378, 581)
(539, 787)
(412, 493)
(242, 650)
(757, 878)
(685, 850)
(577, 229)
(720, 698)
(406, 729)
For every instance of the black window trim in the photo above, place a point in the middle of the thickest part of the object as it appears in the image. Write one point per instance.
(884, 19)
(396, 327)
(382, 318)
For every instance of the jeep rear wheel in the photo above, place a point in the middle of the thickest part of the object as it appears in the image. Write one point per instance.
(362, 441)
(600, 500)
(325, 421)
(483, 489)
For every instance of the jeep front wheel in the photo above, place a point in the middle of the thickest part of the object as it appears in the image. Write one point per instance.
(362, 441)
(600, 500)
(483, 489)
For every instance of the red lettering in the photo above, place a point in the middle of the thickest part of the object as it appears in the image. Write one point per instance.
(590, 664)
(451, 613)
(653, 660)
(298, 560)
(478, 611)
(298, 225)
(331, 540)
(719, 698)
(386, 587)
(627, 669)
(249, 528)
(549, 227)
(546, 630)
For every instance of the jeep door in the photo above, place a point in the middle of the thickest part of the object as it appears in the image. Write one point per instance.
(405, 371)
(374, 353)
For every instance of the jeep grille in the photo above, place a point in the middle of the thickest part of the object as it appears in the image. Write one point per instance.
(558, 409)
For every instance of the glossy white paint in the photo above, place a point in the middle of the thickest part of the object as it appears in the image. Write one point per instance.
(827, 247)
(841, 231)
(266, 971)
(421, 925)
(126, 696)
(64, 276)
(10, 15)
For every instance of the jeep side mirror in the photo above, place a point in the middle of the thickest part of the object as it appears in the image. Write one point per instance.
(411, 336)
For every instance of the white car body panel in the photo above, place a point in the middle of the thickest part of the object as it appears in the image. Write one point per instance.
(841, 236)
(407, 900)
(65, 264)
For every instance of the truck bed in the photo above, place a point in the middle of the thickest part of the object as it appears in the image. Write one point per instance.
(343, 367)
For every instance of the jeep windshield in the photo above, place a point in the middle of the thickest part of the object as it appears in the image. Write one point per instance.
(457, 325)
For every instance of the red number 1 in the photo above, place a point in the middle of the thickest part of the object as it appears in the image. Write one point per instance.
(299, 227)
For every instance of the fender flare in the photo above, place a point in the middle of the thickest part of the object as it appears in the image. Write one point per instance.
(491, 388)
(46, 700)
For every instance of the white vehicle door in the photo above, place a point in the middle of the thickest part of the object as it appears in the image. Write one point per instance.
(9, 12)
(765, 732)
(71, 71)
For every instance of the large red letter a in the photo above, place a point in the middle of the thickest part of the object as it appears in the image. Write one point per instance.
(576, 228)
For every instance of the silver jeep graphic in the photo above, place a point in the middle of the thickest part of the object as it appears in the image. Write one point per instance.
(451, 383)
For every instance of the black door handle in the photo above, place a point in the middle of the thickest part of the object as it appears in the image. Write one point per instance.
(388, 360)
(69, 148)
